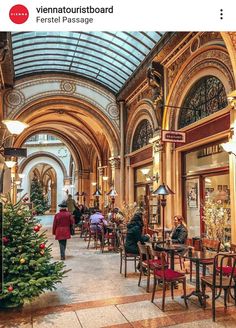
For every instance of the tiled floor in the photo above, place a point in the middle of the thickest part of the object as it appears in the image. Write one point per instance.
(95, 295)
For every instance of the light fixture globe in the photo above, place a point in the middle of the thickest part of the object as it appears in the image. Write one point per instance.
(229, 147)
(97, 193)
(145, 171)
(163, 190)
(15, 127)
(112, 193)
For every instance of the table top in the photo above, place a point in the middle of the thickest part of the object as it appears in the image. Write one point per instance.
(160, 246)
(198, 255)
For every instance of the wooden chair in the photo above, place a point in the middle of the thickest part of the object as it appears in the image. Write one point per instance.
(189, 242)
(210, 245)
(219, 281)
(166, 276)
(96, 233)
(126, 257)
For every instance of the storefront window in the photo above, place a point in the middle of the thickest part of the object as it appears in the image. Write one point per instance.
(143, 194)
(206, 158)
(206, 183)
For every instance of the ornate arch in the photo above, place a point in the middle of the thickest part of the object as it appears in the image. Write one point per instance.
(144, 111)
(43, 154)
(213, 61)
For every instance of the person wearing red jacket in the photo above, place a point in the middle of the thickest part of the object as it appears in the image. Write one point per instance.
(61, 227)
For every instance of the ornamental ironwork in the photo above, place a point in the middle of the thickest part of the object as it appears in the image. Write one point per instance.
(143, 133)
(206, 97)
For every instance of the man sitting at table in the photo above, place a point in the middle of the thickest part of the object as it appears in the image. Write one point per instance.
(180, 232)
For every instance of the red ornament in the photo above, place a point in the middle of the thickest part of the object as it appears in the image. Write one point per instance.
(25, 199)
(42, 246)
(34, 213)
(10, 288)
(5, 240)
(36, 228)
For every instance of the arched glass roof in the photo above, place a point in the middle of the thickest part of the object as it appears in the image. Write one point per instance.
(105, 57)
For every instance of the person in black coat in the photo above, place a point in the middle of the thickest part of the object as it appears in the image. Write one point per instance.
(134, 234)
(180, 232)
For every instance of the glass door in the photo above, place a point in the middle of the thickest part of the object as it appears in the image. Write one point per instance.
(193, 209)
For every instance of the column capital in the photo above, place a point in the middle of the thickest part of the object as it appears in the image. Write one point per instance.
(232, 99)
(114, 162)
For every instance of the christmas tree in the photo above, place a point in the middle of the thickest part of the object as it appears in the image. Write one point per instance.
(37, 198)
(27, 267)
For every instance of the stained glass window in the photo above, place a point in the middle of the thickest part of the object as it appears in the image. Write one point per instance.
(206, 97)
(142, 135)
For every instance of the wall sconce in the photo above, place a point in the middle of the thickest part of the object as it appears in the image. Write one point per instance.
(15, 127)
(105, 178)
(230, 147)
(94, 183)
(10, 163)
(21, 175)
(149, 177)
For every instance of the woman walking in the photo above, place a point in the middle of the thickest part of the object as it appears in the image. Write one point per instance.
(62, 227)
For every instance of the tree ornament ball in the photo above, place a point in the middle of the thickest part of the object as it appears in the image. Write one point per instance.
(25, 199)
(36, 228)
(10, 288)
(34, 213)
(5, 240)
(42, 252)
(42, 246)
(22, 261)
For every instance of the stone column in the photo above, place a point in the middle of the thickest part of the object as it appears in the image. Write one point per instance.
(54, 197)
(122, 152)
(115, 166)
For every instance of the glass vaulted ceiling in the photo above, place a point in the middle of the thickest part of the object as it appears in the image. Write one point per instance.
(108, 58)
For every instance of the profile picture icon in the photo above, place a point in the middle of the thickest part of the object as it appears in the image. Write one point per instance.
(18, 14)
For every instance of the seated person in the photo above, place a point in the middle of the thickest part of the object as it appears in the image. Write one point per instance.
(134, 234)
(97, 221)
(180, 232)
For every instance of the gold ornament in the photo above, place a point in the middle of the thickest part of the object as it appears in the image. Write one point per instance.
(22, 261)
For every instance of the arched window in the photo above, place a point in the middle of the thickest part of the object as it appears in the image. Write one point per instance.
(207, 96)
(142, 135)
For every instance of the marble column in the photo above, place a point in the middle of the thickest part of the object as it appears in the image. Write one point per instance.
(122, 152)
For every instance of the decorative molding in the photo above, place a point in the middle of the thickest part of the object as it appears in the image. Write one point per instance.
(113, 110)
(101, 171)
(27, 91)
(68, 87)
(14, 98)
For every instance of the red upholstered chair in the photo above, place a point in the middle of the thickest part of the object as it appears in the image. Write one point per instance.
(167, 276)
(219, 281)
(126, 257)
(147, 262)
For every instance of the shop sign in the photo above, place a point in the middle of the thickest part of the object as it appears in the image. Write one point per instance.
(173, 136)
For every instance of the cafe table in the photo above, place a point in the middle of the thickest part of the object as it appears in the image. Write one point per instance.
(169, 248)
(196, 257)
